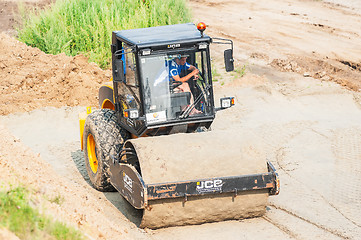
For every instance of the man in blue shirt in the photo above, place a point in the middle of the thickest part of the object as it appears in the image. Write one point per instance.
(177, 65)
(175, 68)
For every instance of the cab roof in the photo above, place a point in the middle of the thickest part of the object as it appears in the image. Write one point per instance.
(162, 35)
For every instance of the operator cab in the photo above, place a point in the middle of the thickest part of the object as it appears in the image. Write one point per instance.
(146, 97)
(163, 96)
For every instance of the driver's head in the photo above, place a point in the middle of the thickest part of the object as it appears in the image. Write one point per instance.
(181, 59)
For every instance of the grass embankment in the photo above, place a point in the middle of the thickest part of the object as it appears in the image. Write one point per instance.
(17, 215)
(84, 26)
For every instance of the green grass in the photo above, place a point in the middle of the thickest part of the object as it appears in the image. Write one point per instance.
(58, 199)
(239, 72)
(215, 75)
(17, 215)
(85, 26)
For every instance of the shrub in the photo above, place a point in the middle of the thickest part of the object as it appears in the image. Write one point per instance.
(85, 26)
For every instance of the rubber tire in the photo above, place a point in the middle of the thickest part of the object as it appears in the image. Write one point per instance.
(109, 138)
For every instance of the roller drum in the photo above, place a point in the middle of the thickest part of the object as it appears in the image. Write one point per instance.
(181, 157)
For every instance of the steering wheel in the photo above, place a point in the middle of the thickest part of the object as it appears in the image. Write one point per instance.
(175, 84)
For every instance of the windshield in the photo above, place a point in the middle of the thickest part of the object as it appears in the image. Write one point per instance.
(175, 86)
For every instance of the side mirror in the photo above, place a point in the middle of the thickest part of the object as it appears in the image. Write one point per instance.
(228, 60)
(118, 71)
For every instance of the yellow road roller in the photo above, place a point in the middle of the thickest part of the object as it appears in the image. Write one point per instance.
(151, 137)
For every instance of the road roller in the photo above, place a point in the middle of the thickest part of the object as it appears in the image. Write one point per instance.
(151, 139)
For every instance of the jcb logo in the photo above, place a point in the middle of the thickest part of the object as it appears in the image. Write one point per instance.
(210, 185)
(128, 182)
(174, 45)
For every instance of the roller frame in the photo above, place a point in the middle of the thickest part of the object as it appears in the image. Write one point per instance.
(131, 186)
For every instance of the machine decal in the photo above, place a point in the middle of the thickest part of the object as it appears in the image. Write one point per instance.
(210, 186)
(156, 117)
(128, 182)
(174, 45)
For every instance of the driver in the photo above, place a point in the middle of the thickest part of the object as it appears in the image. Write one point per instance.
(175, 68)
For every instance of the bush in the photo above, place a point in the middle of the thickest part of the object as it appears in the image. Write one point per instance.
(85, 26)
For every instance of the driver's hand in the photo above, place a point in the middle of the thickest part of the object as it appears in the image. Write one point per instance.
(195, 72)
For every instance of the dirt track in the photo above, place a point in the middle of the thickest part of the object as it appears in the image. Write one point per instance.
(309, 127)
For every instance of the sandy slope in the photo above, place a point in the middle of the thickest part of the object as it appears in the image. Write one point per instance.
(312, 37)
(309, 127)
(33, 79)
